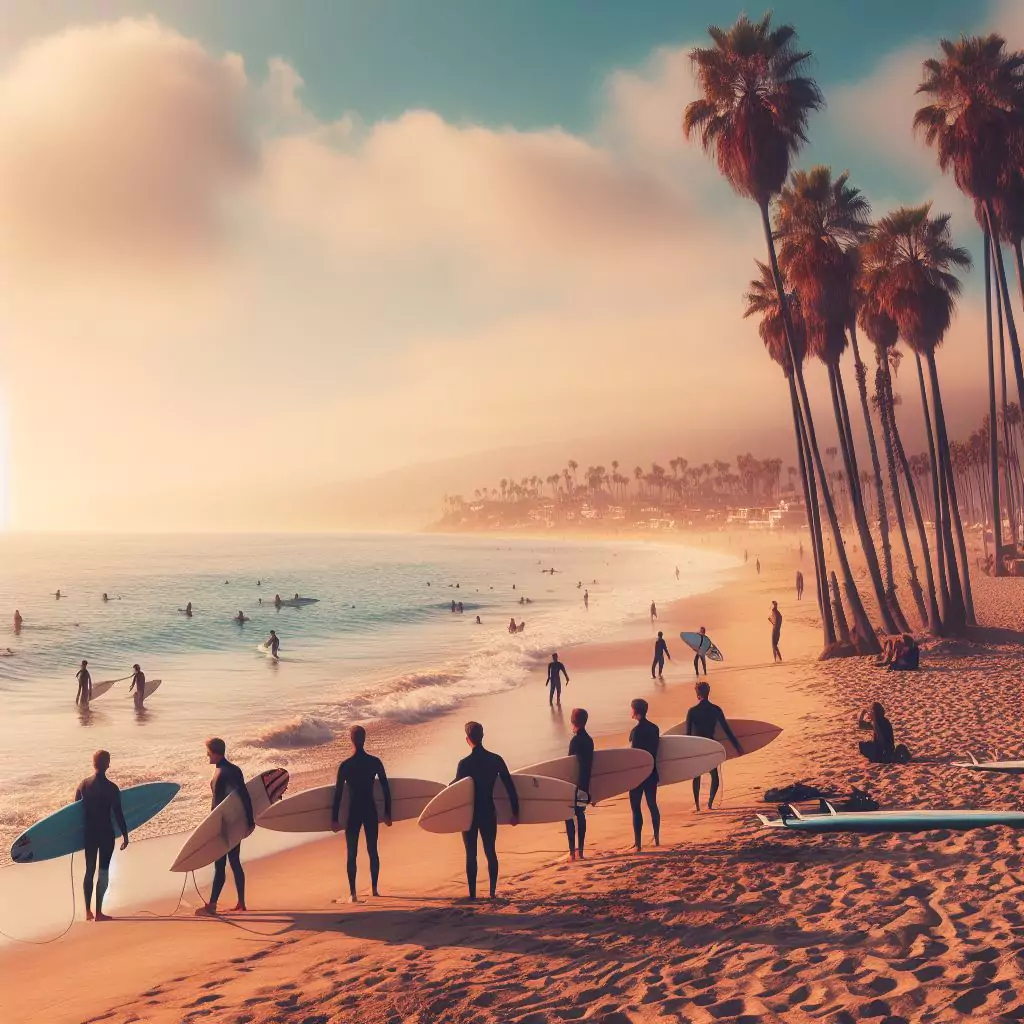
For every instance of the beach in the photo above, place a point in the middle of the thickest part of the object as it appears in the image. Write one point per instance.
(722, 922)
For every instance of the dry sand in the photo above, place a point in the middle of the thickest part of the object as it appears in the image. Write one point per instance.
(722, 923)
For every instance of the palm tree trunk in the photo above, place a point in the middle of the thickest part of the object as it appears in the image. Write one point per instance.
(837, 607)
(993, 441)
(1009, 485)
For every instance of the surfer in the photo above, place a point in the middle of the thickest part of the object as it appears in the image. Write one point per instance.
(226, 779)
(645, 736)
(775, 618)
(360, 771)
(582, 747)
(555, 672)
(84, 694)
(57, 595)
(18, 620)
(799, 585)
(105, 598)
(273, 644)
(100, 799)
(700, 658)
(654, 612)
(702, 720)
(484, 768)
(138, 684)
(660, 654)
(188, 610)
(241, 618)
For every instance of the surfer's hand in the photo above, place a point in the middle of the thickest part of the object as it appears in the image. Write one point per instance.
(335, 826)
(514, 820)
(387, 821)
(124, 843)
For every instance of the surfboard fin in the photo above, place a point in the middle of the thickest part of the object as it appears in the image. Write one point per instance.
(831, 809)
(765, 822)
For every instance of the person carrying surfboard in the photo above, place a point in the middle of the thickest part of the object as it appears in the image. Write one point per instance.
(555, 672)
(702, 720)
(273, 643)
(700, 658)
(660, 654)
(138, 684)
(581, 746)
(645, 736)
(484, 768)
(84, 694)
(228, 778)
(100, 799)
(359, 772)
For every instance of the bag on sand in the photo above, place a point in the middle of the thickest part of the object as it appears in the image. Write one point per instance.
(901, 755)
(798, 792)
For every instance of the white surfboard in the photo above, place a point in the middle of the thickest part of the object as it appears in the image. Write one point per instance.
(541, 801)
(151, 686)
(999, 767)
(310, 810)
(753, 735)
(681, 758)
(100, 688)
(614, 771)
(265, 649)
(225, 826)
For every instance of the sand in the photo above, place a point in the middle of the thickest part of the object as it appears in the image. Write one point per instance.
(723, 922)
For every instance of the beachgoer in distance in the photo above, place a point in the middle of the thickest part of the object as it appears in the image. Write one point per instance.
(105, 598)
(84, 694)
(57, 595)
(555, 672)
(274, 643)
(277, 600)
(660, 654)
(359, 772)
(677, 572)
(227, 779)
(701, 720)
(478, 622)
(582, 747)
(654, 612)
(775, 618)
(484, 768)
(521, 626)
(586, 600)
(700, 658)
(188, 610)
(512, 624)
(906, 655)
(138, 684)
(881, 748)
(645, 735)
(745, 555)
(18, 620)
(241, 618)
(758, 564)
(799, 585)
(101, 802)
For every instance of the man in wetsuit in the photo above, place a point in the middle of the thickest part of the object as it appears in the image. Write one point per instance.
(484, 768)
(555, 672)
(226, 779)
(359, 772)
(700, 658)
(582, 747)
(100, 799)
(702, 720)
(660, 654)
(84, 694)
(273, 643)
(138, 684)
(645, 736)
(775, 618)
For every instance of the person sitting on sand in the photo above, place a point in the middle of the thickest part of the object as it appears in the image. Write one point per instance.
(138, 684)
(84, 694)
(645, 736)
(881, 748)
(101, 802)
(359, 772)
(227, 779)
(581, 746)
(521, 627)
(702, 720)
(512, 624)
(906, 655)
(484, 768)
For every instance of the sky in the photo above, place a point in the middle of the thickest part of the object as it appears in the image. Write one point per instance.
(253, 248)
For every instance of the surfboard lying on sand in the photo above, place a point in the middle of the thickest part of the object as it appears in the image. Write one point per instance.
(225, 826)
(701, 644)
(63, 832)
(892, 821)
(1004, 767)
(753, 735)
(681, 758)
(310, 810)
(541, 800)
(614, 771)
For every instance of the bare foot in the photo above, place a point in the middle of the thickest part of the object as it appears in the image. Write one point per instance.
(636, 848)
(572, 856)
(210, 910)
(579, 856)
(100, 916)
(238, 908)
(88, 916)
(350, 898)
(657, 841)
(376, 892)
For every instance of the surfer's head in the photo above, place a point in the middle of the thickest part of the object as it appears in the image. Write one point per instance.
(703, 630)
(703, 691)
(357, 734)
(84, 663)
(660, 634)
(554, 655)
(639, 708)
(579, 718)
(474, 734)
(101, 761)
(215, 749)
(136, 667)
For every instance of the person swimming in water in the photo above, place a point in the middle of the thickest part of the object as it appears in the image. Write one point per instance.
(702, 720)
(138, 684)
(101, 804)
(188, 610)
(105, 598)
(277, 600)
(240, 617)
(84, 694)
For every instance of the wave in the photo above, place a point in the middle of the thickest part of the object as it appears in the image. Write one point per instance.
(299, 732)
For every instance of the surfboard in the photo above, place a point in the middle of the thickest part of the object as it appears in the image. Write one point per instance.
(310, 810)
(63, 832)
(151, 686)
(225, 826)
(265, 649)
(100, 688)
(753, 735)
(893, 821)
(541, 801)
(999, 767)
(614, 771)
(681, 758)
(697, 643)
(295, 602)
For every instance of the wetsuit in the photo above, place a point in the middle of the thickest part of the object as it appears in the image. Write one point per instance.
(84, 686)
(660, 652)
(882, 747)
(700, 658)
(555, 672)
(776, 618)
(101, 800)
(646, 736)
(227, 778)
(582, 746)
(702, 720)
(138, 683)
(274, 644)
(484, 768)
(359, 771)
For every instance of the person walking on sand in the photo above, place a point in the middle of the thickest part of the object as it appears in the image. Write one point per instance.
(84, 694)
(227, 779)
(758, 564)
(775, 618)
(799, 585)
(359, 772)
(677, 572)
(654, 612)
(660, 654)
(645, 735)
(138, 684)
(555, 672)
(484, 768)
(700, 658)
(702, 720)
(586, 600)
(581, 746)
(101, 804)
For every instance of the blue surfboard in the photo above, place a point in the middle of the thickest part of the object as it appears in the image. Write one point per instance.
(893, 821)
(63, 832)
(702, 645)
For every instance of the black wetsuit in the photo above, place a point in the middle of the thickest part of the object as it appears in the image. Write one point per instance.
(273, 644)
(484, 768)
(776, 633)
(700, 658)
(84, 686)
(138, 684)
(660, 652)
(702, 720)
(582, 746)
(226, 779)
(646, 736)
(882, 747)
(102, 804)
(359, 772)
(555, 672)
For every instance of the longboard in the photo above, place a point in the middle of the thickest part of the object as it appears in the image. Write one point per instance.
(753, 735)
(613, 772)
(541, 800)
(892, 821)
(698, 643)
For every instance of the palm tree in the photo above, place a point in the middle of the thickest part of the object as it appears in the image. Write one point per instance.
(753, 117)
(914, 255)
